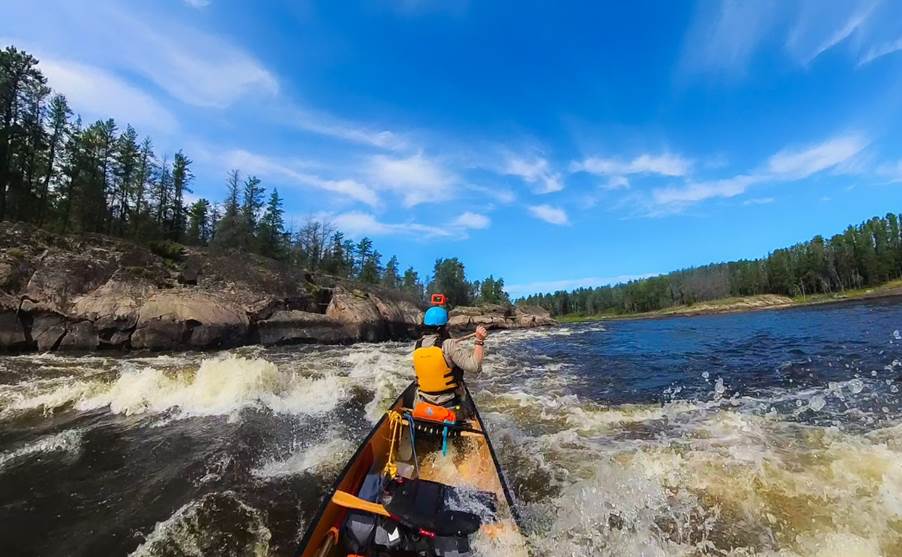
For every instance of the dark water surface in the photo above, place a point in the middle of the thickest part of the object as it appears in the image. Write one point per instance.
(768, 433)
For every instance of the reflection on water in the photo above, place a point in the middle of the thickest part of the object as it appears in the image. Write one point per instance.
(772, 433)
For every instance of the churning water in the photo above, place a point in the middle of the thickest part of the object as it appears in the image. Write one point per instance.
(772, 433)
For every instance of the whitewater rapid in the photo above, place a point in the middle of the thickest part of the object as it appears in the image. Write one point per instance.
(715, 465)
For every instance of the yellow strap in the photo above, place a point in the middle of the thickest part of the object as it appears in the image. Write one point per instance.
(395, 421)
(345, 499)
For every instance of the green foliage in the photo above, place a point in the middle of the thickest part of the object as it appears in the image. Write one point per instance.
(449, 278)
(865, 255)
(167, 249)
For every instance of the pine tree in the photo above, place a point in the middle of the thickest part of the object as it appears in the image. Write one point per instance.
(59, 129)
(181, 176)
(271, 231)
(390, 278)
(198, 223)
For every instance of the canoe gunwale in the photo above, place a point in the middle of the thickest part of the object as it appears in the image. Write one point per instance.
(327, 499)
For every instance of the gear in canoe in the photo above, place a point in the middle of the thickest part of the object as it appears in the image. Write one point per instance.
(426, 479)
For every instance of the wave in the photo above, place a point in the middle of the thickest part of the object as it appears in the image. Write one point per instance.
(68, 442)
(215, 524)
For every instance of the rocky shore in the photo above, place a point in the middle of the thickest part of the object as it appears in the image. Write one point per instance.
(96, 292)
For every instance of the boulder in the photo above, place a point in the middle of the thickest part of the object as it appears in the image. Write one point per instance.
(63, 276)
(80, 335)
(358, 313)
(184, 318)
(47, 326)
(113, 308)
(402, 318)
(294, 326)
(12, 330)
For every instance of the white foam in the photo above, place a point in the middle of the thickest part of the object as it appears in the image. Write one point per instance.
(192, 532)
(315, 458)
(68, 441)
(221, 386)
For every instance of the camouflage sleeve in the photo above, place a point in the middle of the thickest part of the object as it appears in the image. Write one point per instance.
(461, 356)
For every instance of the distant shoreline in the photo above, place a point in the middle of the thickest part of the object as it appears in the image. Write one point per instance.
(747, 304)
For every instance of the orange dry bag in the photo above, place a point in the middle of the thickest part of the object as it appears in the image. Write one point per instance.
(433, 413)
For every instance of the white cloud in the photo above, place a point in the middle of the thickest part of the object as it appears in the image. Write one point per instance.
(191, 65)
(472, 220)
(785, 165)
(569, 284)
(892, 171)
(759, 201)
(801, 163)
(417, 178)
(330, 126)
(616, 183)
(880, 50)
(664, 164)
(198, 3)
(725, 35)
(275, 168)
(95, 93)
(357, 224)
(550, 214)
(821, 26)
(700, 191)
(536, 171)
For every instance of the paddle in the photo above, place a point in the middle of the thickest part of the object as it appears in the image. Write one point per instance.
(348, 501)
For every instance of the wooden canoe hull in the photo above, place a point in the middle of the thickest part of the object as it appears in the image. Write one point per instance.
(475, 467)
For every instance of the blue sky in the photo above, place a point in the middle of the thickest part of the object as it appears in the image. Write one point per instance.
(556, 146)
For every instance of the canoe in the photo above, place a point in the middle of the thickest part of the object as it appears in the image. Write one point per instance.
(438, 496)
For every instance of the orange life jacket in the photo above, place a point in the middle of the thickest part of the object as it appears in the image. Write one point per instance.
(434, 375)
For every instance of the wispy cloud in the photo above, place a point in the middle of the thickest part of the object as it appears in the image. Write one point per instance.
(288, 171)
(616, 183)
(417, 178)
(699, 191)
(665, 164)
(330, 126)
(569, 284)
(880, 50)
(198, 3)
(357, 224)
(725, 35)
(759, 201)
(801, 163)
(891, 171)
(820, 27)
(96, 93)
(534, 171)
(472, 220)
(549, 214)
(789, 164)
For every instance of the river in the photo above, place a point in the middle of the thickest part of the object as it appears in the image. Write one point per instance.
(768, 433)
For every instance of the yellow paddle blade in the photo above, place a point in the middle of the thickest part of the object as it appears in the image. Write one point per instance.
(345, 499)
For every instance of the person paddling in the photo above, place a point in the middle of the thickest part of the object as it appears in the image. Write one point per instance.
(440, 361)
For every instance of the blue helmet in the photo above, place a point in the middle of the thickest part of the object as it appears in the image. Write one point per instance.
(435, 317)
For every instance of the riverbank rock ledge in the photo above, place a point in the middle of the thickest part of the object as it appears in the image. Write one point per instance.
(94, 292)
(463, 319)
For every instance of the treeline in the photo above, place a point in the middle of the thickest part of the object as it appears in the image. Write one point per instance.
(865, 255)
(68, 177)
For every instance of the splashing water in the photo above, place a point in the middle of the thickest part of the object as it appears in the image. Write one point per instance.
(776, 433)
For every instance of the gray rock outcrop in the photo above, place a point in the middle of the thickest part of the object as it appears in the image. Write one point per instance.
(95, 292)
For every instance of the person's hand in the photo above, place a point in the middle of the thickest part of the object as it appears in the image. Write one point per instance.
(481, 333)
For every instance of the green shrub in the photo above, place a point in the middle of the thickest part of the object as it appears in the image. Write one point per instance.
(167, 249)
(16, 253)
